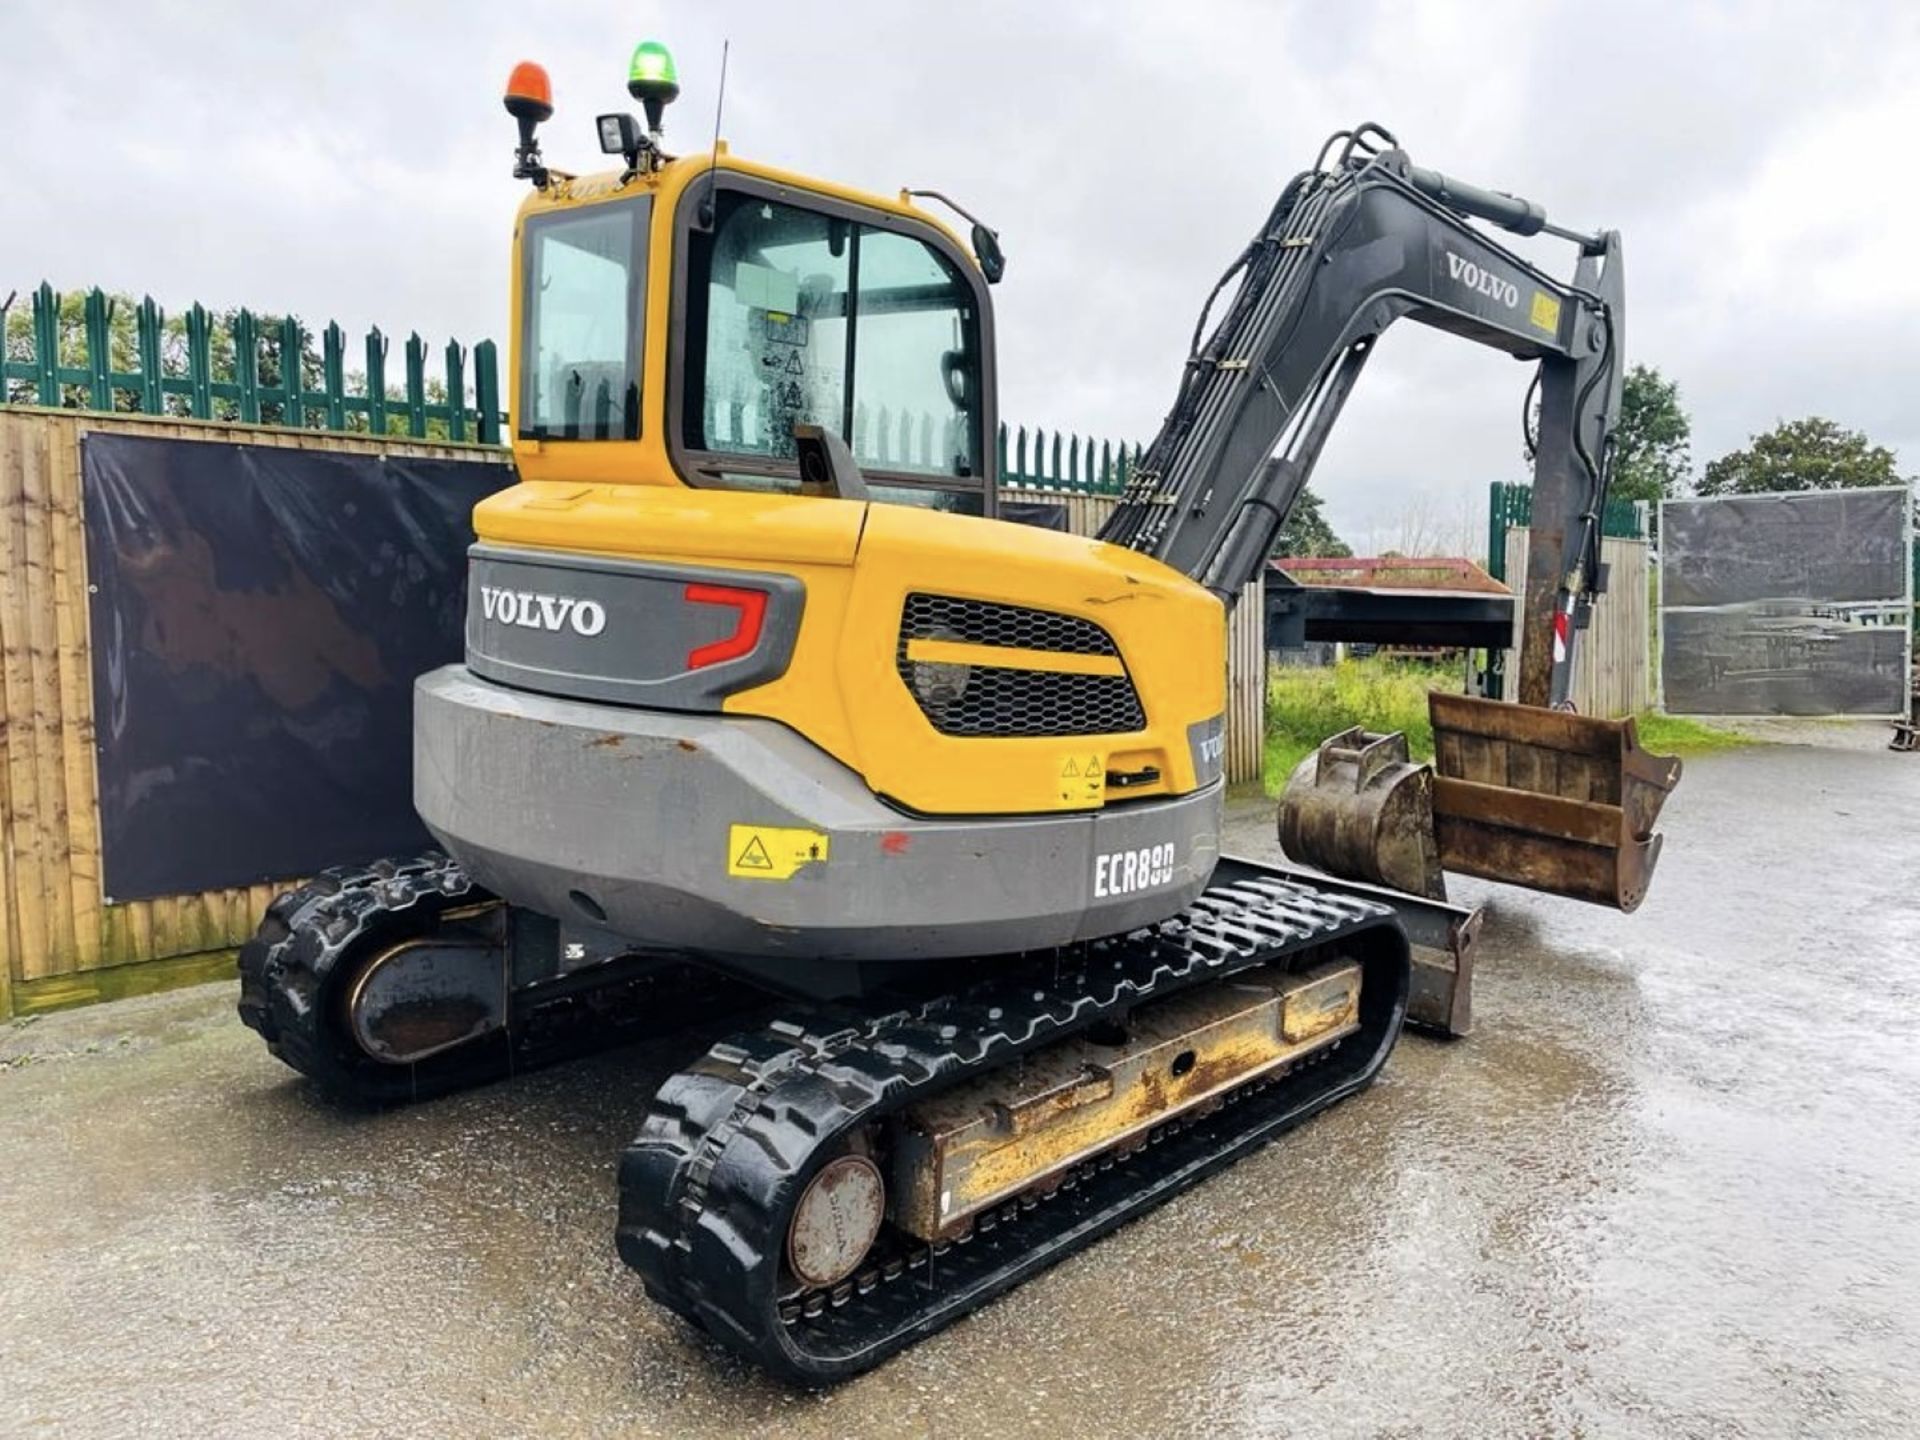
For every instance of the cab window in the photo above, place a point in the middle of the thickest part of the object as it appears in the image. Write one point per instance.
(912, 367)
(797, 316)
(585, 279)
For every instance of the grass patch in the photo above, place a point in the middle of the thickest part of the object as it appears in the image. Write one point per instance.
(1677, 735)
(1305, 706)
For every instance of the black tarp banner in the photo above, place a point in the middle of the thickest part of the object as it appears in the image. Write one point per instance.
(1041, 514)
(257, 617)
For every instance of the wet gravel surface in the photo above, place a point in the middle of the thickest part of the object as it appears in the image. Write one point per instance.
(1670, 1187)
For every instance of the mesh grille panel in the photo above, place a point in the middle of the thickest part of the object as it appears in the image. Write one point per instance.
(984, 623)
(994, 700)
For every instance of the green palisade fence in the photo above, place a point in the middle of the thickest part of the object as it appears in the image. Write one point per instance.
(237, 368)
(1066, 463)
(234, 368)
(1512, 505)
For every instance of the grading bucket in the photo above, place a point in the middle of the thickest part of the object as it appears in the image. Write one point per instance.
(1546, 799)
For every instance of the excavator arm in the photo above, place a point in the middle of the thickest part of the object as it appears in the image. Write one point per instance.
(1351, 247)
(1517, 793)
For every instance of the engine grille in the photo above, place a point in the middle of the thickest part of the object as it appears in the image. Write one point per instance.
(998, 700)
(982, 622)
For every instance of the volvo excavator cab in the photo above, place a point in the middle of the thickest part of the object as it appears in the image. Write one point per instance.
(756, 679)
(750, 595)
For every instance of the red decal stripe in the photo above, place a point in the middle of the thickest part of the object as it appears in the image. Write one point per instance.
(752, 608)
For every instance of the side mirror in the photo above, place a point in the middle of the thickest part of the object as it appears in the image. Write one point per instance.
(826, 465)
(986, 249)
(956, 375)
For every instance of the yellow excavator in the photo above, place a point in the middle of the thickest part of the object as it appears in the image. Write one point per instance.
(756, 678)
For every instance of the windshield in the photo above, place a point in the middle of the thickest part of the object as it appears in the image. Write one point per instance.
(802, 317)
(580, 360)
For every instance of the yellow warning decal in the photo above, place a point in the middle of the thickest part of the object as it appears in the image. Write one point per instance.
(772, 852)
(1546, 311)
(1083, 779)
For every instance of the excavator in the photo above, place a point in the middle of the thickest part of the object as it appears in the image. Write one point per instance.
(757, 680)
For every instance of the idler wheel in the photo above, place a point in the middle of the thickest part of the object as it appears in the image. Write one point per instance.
(837, 1220)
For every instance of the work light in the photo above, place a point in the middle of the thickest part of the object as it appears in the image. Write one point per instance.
(620, 135)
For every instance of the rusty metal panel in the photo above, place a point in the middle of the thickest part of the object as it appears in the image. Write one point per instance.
(972, 1147)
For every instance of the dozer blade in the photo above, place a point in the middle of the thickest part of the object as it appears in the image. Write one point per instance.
(1546, 799)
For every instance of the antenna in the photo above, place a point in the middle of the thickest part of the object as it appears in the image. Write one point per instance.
(719, 107)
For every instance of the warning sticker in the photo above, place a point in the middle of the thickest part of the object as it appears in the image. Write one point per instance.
(1083, 779)
(772, 852)
(1545, 311)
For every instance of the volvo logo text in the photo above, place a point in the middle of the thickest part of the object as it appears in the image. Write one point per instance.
(542, 612)
(1485, 281)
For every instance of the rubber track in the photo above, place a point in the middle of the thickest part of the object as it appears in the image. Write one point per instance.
(288, 968)
(729, 1143)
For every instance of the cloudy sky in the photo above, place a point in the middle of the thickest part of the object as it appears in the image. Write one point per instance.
(351, 161)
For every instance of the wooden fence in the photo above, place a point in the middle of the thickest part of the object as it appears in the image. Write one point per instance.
(1612, 666)
(60, 941)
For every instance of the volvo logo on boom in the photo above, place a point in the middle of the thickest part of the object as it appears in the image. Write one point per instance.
(535, 611)
(1475, 277)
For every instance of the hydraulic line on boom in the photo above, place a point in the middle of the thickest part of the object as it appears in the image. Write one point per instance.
(1522, 794)
(1349, 248)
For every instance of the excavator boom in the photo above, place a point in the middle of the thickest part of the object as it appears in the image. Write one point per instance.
(1349, 248)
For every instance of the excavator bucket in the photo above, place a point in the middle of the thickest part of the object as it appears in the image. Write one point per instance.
(1357, 807)
(1361, 813)
(1546, 799)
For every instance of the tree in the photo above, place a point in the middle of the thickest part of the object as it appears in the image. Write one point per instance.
(1307, 532)
(1809, 454)
(1653, 441)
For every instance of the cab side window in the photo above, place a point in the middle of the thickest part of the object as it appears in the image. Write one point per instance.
(912, 371)
(796, 316)
(776, 332)
(585, 279)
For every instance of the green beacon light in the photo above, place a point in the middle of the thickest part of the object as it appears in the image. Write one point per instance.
(652, 80)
